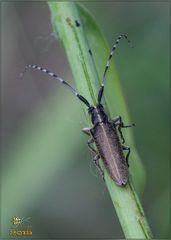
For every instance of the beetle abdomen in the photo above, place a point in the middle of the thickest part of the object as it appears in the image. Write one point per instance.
(110, 150)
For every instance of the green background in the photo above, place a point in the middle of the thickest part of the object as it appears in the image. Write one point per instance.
(42, 144)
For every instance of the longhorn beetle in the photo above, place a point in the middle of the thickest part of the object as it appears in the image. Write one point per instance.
(104, 132)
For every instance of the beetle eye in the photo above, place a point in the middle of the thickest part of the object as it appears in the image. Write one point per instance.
(100, 106)
(90, 109)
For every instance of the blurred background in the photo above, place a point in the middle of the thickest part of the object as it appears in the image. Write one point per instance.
(44, 152)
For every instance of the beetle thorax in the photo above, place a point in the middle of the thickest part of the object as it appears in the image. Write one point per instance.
(97, 115)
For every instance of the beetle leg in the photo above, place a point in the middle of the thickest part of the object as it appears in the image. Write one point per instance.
(87, 131)
(96, 158)
(96, 161)
(118, 122)
(127, 156)
(89, 142)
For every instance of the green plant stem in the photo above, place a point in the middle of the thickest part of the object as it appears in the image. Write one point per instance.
(76, 43)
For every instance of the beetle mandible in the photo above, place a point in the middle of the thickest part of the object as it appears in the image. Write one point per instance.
(105, 133)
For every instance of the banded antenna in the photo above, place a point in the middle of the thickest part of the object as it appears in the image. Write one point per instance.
(51, 74)
(100, 94)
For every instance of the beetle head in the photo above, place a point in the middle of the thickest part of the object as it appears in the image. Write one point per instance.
(97, 114)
